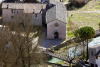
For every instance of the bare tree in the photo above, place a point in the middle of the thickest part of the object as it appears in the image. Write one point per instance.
(19, 45)
(71, 54)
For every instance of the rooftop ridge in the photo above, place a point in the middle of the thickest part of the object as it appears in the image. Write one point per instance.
(27, 7)
(22, 3)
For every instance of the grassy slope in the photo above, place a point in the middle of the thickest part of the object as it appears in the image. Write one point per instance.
(86, 19)
(92, 5)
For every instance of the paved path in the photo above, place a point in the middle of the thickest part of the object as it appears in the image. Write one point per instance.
(48, 42)
(79, 11)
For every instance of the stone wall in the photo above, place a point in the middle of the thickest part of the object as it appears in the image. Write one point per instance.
(51, 29)
(6, 14)
(98, 61)
(17, 15)
(37, 19)
(92, 57)
(10, 15)
(33, 19)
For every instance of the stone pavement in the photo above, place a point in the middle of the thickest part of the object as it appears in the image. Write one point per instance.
(48, 42)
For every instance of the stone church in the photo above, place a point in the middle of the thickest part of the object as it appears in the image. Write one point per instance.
(51, 13)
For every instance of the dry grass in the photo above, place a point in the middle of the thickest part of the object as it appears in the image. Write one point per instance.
(92, 5)
(86, 19)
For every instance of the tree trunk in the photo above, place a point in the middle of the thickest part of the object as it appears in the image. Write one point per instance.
(28, 51)
(87, 51)
(23, 63)
(22, 57)
(70, 65)
(83, 50)
(28, 58)
(5, 65)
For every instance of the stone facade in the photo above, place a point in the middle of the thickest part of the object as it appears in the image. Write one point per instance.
(10, 15)
(93, 61)
(17, 15)
(98, 61)
(33, 19)
(28, 12)
(57, 15)
(51, 29)
(6, 15)
(92, 56)
(54, 15)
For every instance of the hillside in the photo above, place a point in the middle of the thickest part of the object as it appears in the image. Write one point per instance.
(92, 5)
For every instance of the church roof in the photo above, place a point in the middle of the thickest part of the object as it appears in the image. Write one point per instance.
(57, 12)
(27, 7)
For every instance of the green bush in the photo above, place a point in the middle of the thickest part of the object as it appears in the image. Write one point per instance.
(85, 32)
(99, 24)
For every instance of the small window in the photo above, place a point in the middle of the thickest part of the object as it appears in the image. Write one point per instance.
(12, 10)
(35, 15)
(12, 17)
(7, 6)
(33, 11)
(96, 57)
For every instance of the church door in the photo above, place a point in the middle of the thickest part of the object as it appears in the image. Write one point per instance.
(92, 65)
(96, 65)
(56, 35)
